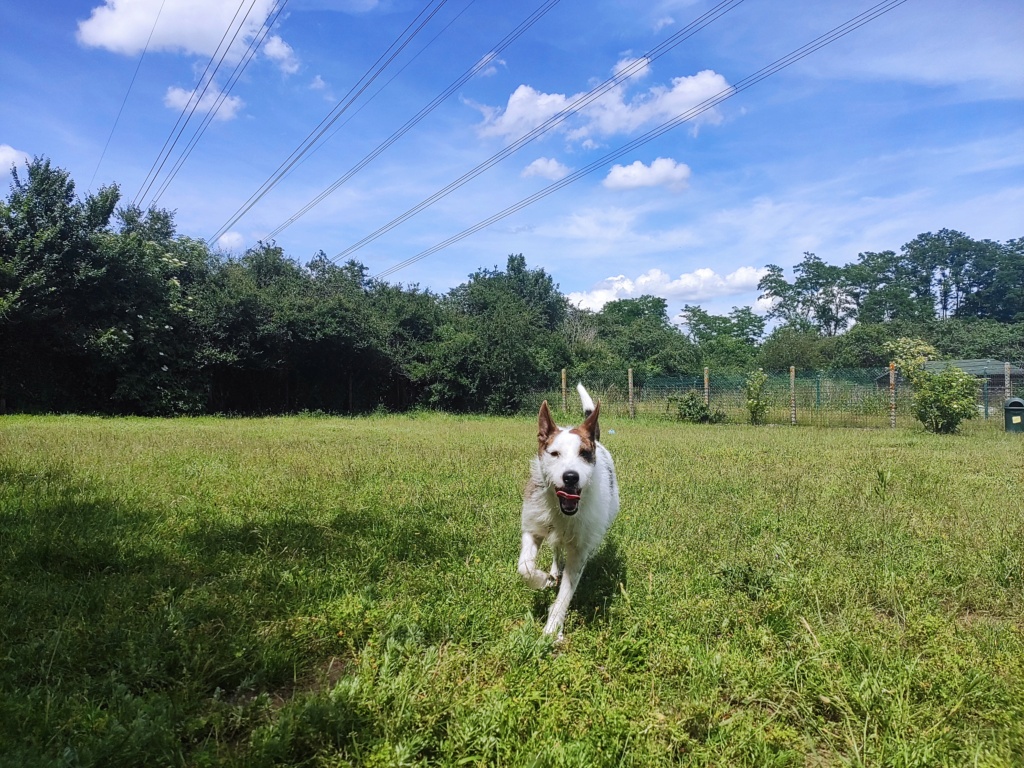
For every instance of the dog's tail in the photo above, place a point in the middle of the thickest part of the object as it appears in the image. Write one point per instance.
(588, 403)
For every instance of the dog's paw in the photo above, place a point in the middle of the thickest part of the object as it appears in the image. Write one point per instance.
(538, 580)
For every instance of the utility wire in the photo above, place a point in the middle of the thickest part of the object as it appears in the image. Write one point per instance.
(575, 106)
(124, 101)
(826, 39)
(510, 38)
(254, 44)
(364, 82)
(369, 99)
(197, 95)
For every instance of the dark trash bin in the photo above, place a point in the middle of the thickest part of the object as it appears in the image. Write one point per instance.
(1013, 412)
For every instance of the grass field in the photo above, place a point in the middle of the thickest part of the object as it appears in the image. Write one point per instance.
(333, 592)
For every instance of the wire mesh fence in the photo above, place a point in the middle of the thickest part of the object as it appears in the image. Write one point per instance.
(866, 398)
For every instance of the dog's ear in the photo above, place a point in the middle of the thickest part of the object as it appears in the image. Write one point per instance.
(546, 426)
(590, 425)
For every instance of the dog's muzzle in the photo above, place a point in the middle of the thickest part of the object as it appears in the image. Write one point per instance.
(568, 500)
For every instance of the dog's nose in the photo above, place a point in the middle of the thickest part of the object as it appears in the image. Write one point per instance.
(571, 479)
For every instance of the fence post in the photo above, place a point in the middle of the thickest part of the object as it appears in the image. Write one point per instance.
(632, 412)
(892, 395)
(1007, 392)
(565, 403)
(707, 388)
(792, 395)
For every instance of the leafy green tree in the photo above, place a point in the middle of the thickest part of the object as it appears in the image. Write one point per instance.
(500, 340)
(639, 335)
(820, 295)
(799, 345)
(725, 342)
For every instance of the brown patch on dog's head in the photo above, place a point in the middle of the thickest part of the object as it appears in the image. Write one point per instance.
(589, 432)
(546, 427)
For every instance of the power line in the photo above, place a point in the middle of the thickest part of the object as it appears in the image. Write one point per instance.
(510, 38)
(364, 82)
(254, 44)
(575, 106)
(124, 101)
(826, 39)
(376, 93)
(172, 138)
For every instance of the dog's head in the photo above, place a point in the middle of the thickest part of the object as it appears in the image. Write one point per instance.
(567, 456)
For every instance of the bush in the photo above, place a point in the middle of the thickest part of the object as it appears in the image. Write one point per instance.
(942, 400)
(691, 408)
(757, 397)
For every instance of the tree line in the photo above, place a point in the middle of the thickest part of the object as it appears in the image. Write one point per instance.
(105, 308)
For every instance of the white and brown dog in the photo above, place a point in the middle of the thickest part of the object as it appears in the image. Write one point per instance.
(570, 502)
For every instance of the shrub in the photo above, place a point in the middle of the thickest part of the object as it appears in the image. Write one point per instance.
(942, 400)
(690, 407)
(757, 397)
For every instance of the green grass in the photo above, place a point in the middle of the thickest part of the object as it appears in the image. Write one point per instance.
(332, 592)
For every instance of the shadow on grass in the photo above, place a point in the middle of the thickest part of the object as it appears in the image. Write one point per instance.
(598, 588)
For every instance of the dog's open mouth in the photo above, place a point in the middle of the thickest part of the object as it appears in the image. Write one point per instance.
(568, 500)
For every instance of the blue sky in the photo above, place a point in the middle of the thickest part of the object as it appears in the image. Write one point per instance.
(910, 124)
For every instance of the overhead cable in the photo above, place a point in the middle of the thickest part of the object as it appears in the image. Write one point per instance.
(243, 62)
(124, 101)
(826, 39)
(510, 38)
(193, 102)
(364, 82)
(629, 70)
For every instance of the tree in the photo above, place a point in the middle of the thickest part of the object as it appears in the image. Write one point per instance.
(725, 342)
(820, 295)
(640, 336)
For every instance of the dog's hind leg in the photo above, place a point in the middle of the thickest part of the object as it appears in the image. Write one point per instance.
(536, 578)
(570, 579)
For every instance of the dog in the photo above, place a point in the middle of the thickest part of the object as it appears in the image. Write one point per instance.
(570, 501)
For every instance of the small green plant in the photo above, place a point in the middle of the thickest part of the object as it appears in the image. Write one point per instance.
(691, 408)
(757, 397)
(941, 400)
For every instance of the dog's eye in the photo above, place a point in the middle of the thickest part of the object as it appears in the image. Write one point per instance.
(587, 455)
(554, 454)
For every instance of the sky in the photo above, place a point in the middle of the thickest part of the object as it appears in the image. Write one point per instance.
(412, 123)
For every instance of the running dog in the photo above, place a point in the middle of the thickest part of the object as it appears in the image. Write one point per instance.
(570, 501)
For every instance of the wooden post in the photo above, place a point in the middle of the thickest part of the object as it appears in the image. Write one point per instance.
(892, 395)
(707, 387)
(632, 411)
(565, 403)
(792, 395)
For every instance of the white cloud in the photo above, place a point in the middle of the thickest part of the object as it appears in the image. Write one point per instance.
(231, 241)
(546, 168)
(613, 113)
(227, 109)
(488, 65)
(700, 285)
(634, 68)
(664, 21)
(10, 156)
(526, 109)
(664, 172)
(280, 52)
(318, 84)
(188, 26)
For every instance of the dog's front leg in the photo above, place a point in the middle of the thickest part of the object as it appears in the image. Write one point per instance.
(570, 579)
(537, 579)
